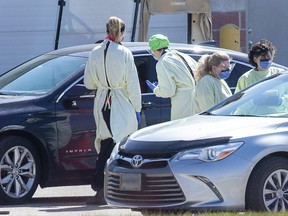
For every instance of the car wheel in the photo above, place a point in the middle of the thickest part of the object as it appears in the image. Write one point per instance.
(20, 170)
(267, 187)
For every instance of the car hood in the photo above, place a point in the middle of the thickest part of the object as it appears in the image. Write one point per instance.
(4, 99)
(198, 130)
(8, 102)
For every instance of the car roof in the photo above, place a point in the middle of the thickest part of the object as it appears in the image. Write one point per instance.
(139, 47)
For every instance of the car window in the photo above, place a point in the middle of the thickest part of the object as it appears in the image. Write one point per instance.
(79, 90)
(39, 77)
(146, 68)
(265, 98)
(237, 70)
(142, 67)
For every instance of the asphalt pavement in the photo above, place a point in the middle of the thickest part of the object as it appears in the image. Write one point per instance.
(61, 201)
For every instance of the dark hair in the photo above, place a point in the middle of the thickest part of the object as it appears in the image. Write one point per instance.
(263, 47)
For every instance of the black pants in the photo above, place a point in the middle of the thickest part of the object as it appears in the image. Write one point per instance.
(107, 146)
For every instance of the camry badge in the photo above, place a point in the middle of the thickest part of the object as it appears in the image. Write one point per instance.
(136, 161)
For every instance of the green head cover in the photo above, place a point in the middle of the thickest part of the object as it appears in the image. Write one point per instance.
(158, 41)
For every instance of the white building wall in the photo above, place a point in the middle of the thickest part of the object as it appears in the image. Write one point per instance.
(28, 27)
(227, 5)
(86, 24)
(85, 21)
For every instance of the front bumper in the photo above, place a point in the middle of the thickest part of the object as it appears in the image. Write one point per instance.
(187, 184)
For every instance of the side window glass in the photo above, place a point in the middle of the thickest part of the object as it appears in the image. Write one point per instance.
(78, 97)
(196, 58)
(79, 90)
(237, 71)
(141, 66)
(152, 75)
(146, 68)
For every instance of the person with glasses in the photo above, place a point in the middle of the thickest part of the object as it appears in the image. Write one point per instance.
(210, 75)
(175, 76)
(260, 57)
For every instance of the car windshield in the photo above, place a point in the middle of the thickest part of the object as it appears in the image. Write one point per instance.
(40, 75)
(268, 98)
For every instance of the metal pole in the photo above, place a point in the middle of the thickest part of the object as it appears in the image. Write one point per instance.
(189, 29)
(61, 3)
(135, 20)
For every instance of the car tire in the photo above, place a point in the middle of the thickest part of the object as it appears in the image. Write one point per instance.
(20, 170)
(267, 186)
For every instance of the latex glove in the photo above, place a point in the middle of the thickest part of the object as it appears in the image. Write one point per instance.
(152, 86)
(138, 116)
(268, 98)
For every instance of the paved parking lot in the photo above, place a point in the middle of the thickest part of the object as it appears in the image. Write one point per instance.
(64, 201)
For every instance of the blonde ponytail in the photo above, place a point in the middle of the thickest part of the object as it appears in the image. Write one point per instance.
(115, 27)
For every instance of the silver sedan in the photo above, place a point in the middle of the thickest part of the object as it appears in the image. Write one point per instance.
(233, 156)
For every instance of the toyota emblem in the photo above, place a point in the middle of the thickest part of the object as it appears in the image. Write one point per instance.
(136, 161)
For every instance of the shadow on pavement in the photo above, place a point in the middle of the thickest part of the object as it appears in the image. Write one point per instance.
(62, 206)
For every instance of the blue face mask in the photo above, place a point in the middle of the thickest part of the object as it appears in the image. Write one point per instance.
(265, 64)
(224, 74)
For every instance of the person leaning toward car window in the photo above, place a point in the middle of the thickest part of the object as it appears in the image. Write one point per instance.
(175, 76)
(260, 57)
(210, 75)
(111, 70)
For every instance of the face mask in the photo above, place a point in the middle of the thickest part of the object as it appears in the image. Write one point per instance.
(265, 64)
(157, 59)
(224, 74)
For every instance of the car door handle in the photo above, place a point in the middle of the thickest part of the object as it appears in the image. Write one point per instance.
(70, 104)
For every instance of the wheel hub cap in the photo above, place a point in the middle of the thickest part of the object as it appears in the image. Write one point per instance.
(280, 194)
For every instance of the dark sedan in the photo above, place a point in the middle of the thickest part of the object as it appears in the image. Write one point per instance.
(47, 128)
